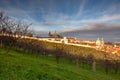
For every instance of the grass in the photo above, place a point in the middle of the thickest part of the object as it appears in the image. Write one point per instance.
(19, 65)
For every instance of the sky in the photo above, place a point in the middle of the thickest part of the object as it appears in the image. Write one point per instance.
(85, 19)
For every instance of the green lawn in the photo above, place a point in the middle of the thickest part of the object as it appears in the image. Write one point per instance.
(25, 66)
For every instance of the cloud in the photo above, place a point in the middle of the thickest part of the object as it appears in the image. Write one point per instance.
(105, 26)
(113, 8)
(110, 17)
(80, 9)
(101, 19)
(96, 27)
(57, 19)
(111, 32)
(54, 16)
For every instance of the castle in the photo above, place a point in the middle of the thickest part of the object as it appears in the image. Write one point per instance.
(54, 35)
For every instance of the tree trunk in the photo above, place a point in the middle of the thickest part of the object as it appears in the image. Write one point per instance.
(94, 66)
(77, 62)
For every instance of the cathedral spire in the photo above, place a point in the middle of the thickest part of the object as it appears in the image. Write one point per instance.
(49, 34)
(55, 34)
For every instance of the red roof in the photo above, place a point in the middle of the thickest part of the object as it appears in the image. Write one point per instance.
(71, 38)
(118, 51)
(92, 44)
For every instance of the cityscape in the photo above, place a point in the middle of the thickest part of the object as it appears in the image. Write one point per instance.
(98, 44)
(59, 39)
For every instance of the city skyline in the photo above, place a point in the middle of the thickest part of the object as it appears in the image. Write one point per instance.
(86, 19)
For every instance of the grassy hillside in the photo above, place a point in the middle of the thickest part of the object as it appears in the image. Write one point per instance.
(18, 65)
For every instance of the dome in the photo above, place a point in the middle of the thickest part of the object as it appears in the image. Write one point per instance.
(98, 41)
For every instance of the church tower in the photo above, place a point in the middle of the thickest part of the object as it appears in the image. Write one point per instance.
(98, 43)
(102, 42)
(49, 35)
(55, 35)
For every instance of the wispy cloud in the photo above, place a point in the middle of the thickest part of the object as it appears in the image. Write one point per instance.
(103, 18)
(80, 9)
(50, 21)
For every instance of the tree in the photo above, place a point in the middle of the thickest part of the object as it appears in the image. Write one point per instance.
(9, 27)
(30, 34)
(116, 66)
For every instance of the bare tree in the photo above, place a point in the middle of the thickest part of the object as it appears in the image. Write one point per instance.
(11, 27)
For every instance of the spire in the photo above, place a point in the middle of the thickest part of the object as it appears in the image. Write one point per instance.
(55, 34)
(98, 38)
(102, 40)
(115, 45)
(49, 34)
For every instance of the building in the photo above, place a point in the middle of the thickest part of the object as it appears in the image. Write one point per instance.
(54, 35)
(64, 40)
(100, 43)
(71, 40)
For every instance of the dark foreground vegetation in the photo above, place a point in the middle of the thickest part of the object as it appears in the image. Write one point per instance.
(20, 65)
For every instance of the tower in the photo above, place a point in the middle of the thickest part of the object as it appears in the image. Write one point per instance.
(49, 35)
(98, 43)
(115, 45)
(55, 35)
(102, 42)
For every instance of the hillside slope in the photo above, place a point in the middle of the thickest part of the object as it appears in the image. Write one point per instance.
(18, 65)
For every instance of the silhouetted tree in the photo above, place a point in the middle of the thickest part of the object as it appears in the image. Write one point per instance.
(9, 28)
(116, 66)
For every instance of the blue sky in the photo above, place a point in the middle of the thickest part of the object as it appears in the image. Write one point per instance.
(65, 15)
